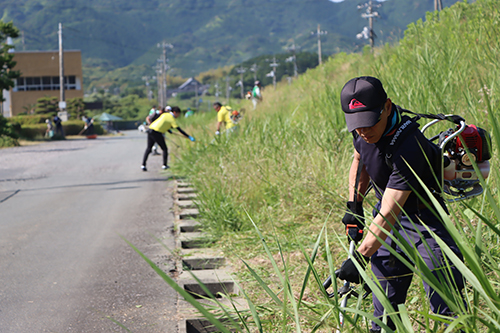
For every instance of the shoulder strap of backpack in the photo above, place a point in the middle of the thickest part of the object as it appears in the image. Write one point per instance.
(402, 131)
(453, 118)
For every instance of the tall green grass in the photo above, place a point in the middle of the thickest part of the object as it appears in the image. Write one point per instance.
(287, 167)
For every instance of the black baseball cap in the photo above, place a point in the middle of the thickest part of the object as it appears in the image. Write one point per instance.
(362, 100)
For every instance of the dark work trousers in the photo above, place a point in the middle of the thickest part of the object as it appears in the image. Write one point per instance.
(395, 277)
(154, 136)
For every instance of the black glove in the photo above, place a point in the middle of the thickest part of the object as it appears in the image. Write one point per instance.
(354, 220)
(348, 270)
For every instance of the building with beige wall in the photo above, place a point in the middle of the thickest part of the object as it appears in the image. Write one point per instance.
(40, 78)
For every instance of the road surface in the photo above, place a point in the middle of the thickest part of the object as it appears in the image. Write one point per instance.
(63, 266)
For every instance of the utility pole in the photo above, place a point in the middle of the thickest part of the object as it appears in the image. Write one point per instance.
(241, 71)
(319, 33)
(228, 89)
(217, 92)
(274, 64)
(370, 14)
(294, 59)
(62, 101)
(196, 93)
(164, 45)
(253, 69)
(159, 81)
(61, 66)
(438, 5)
(149, 92)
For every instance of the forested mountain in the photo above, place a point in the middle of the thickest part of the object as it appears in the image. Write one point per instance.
(205, 34)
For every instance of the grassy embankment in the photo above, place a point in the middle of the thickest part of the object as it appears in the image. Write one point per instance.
(286, 170)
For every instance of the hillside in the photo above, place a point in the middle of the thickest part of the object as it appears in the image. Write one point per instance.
(285, 172)
(205, 34)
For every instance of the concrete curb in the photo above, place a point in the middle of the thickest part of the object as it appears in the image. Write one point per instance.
(208, 265)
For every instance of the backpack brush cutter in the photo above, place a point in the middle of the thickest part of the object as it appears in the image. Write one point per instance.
(460, 148)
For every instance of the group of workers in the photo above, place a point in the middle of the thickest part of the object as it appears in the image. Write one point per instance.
(162, 120)
(403, 206)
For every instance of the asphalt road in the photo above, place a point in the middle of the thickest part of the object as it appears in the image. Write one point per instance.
(63, 266)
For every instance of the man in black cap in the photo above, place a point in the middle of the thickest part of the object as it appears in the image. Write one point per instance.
(387, 147)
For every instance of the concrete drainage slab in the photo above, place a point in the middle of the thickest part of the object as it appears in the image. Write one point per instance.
(188, 226)
(207, 264)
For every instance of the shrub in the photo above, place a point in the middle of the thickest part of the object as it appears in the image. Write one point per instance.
(28, 120)
(7, 141)
(71, 127)
(30, 132)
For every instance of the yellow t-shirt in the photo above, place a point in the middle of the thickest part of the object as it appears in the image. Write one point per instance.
(224, 115)
(164, 122)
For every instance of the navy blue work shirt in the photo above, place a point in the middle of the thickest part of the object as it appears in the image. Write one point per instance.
(412, 150)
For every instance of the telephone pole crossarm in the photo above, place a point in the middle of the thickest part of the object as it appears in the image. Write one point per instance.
(367, 33)
(274, 64)
(293, 49)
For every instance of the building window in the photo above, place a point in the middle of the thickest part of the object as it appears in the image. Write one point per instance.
(44, 83)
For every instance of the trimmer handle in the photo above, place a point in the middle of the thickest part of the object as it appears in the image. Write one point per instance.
(328, 282)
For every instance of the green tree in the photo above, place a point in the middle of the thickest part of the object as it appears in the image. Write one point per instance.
(47, 105)
(7, 75)
(128, 107)
(76, 107)
(8, 136)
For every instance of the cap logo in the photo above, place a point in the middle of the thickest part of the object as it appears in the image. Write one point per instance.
(355, 104)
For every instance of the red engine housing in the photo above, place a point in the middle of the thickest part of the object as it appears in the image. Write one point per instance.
(477, 140)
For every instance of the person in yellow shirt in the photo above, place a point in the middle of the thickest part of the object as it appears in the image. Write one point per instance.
(223, 116)
(164, 123)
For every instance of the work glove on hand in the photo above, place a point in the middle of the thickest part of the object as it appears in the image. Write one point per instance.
(191, 138)
(354, 221)
(348, 270)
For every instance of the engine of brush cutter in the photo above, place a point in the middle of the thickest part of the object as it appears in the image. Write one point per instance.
(460, 178)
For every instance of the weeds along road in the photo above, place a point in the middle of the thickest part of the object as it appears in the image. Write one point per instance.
(63, 265)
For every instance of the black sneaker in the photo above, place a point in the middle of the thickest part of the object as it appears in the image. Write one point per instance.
(143, 167)
(165, 167)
